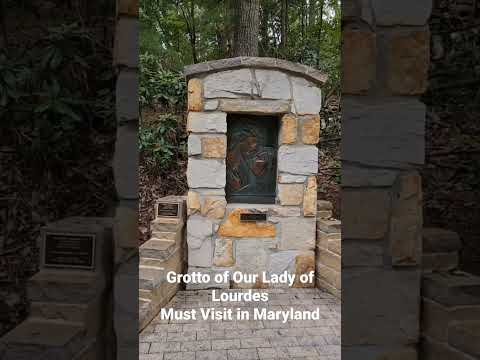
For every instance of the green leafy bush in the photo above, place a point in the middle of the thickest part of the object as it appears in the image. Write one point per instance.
(162, 143)
(159, 86)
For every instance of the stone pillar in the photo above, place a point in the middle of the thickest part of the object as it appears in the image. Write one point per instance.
(385, 63)
(125, 297)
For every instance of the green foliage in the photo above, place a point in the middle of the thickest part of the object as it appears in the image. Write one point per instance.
(158, 86)
(162, 143)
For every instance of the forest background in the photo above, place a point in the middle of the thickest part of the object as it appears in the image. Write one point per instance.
(182, 32)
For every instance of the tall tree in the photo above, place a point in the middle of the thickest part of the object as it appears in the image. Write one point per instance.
(284, 21)
(247, 26)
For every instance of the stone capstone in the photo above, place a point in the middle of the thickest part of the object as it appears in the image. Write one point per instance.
(273, 84)
(307, 97)
(298, 159)
(229, 84)
(211, 122)
(206, 173)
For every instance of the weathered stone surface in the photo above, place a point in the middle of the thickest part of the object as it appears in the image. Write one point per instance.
(251, 258)
(307, 97)
(194, 145)
(324, 205)
(335, 246)
(290, 194)
(211, 122)
(298, 160)
(288, 179)
(232, 227)
(128, 7)
(256, 107)
(362, 253)
(126, 225)
(331, 276)
(436, 318)
(358, 52)
(329, 226)
(214, 207)
(387, 133)
(440, 262)
(210, 105)
(311, 129)
(193, 202)
(212, 284)
(310, 197)
(224, 256)
(286, 211)
(125, 161)
(440, 240)
(397, 290)
(408, 62)
(214, 147)
(198, 231)
(126, 47)
(126, 105)
(329, 259)
(206, 173)
(195, 92)
(365, 213)
(229, 84)
(288, 131)
(298, 233)
(466, 337)
(452, 289)
(304, 264)
(409, 12)
(355, 176)
(282, 261)
(273, 84)
(202, 256)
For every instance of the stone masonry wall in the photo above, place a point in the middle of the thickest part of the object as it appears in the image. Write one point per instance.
(217, 239)
(385, 60)
(125, 166)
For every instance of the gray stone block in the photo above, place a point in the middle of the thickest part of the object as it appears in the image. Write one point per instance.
(126, 96)
(194, 145)
(273, 84)
(206, 173)
(390, 133)
(199, 230)
(298, 159)
(297, 233)
(307, 96)
(211, 122)
(229, 84)
(126, 47)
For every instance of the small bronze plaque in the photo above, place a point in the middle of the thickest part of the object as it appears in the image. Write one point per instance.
(253, 217)
(76, 251)
(167, 210)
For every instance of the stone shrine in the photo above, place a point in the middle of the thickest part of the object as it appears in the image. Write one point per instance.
(253, 128)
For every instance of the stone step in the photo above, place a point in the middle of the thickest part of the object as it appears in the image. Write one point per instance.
(162, 243)
(45, 339)
(452, 289)
(149, 271)
(166, 225)
(465, 336)
(66, 287)
(151, 262)
(144, 294)
(167, 235)
(157, 249)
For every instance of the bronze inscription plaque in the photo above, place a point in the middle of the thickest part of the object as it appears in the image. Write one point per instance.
(167, 210)
(251, 159)
(76, 251)
(253, 217)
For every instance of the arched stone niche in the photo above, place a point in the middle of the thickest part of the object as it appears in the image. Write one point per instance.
(253, 128)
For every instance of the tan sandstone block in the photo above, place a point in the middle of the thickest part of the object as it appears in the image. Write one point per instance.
(408, 62)
(195, 95)
(358, 60)
(193, 202)
(128, 7)
(310, 197)
(304, 264)
(214, 208)
(214, 147)
(288, 133)
(233, 227)
(224, 253)
(290, 194)
(311, 129)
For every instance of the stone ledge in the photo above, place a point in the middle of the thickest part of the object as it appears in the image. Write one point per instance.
(306, 72)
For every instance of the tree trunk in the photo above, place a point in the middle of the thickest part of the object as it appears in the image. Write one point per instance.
(284, 31)
(247, 24)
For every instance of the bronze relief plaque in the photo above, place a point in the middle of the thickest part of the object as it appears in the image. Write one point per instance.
(252, 159)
